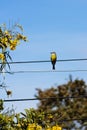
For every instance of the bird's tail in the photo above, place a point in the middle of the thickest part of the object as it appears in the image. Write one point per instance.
(53, 67)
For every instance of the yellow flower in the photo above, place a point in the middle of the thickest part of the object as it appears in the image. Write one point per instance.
(7, 33)
(13, 44)
(21, 37)
(12, 47)
(31, 126)
(56, 128)
(15, 41)
(2, 57)
(4, 41)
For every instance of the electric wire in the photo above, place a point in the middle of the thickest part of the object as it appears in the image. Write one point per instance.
(45, 98)
(42, 61)
(46, 71)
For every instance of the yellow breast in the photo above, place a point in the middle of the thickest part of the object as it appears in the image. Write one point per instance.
(53, 57)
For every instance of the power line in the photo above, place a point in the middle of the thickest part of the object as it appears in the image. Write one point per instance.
(45, 98)
(43, 61)
(46, 71)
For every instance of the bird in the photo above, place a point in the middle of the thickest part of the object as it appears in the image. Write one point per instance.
(53, 59)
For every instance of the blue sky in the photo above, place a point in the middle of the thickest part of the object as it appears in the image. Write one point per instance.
(50, 25)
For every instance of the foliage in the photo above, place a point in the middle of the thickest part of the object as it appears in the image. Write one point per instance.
(21, 121)
(67, 103)
(9, 39)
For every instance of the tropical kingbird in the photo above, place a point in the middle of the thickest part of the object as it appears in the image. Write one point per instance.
(53, 59)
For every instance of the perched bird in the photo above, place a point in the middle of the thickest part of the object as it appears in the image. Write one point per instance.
(53, 59)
